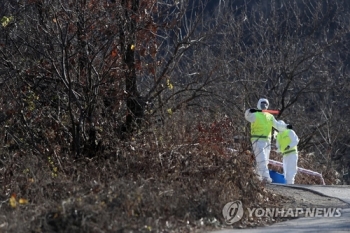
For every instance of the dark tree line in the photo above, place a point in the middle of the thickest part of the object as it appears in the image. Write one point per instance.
(78, 76)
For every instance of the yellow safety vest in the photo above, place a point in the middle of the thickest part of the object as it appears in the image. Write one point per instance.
(262, 126)
(284, 140)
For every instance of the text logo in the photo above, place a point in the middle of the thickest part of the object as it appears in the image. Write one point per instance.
(295, 212)
(232, 212)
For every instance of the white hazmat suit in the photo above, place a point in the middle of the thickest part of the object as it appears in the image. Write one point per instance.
(286, 143)
(261, 128)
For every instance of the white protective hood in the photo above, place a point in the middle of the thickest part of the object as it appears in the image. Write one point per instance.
(262, 100)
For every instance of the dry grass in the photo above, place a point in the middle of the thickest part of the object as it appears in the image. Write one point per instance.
(172, 180)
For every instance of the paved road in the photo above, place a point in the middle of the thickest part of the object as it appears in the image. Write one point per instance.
(341, 192)
(311, 224)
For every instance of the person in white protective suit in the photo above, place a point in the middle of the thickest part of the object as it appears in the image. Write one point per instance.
(287, 144)
(261, 131)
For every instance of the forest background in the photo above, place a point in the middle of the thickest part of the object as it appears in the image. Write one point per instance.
(128, 115)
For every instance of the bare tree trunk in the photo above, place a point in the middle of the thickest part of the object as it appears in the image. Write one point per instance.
(134, 102)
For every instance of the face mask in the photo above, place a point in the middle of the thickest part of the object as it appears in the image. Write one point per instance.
(263, 105)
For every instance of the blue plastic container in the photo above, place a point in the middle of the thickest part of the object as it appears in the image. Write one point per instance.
(277, 177)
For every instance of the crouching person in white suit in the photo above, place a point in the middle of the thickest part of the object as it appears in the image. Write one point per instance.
(286, 143)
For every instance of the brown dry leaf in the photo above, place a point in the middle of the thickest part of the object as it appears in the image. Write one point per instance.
(114, 53)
